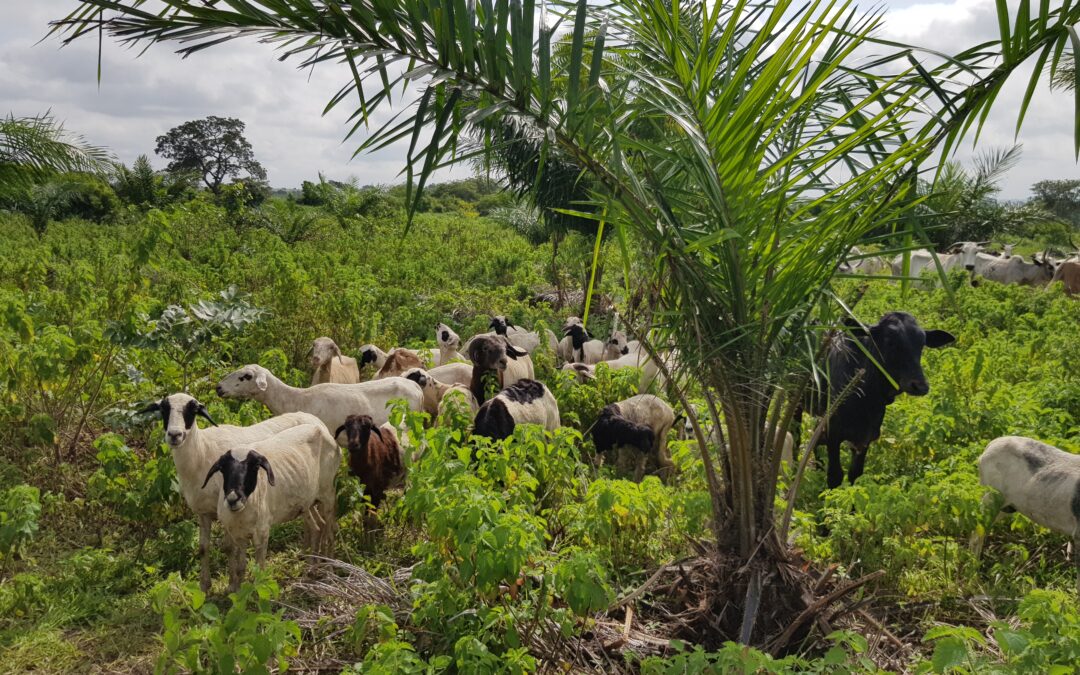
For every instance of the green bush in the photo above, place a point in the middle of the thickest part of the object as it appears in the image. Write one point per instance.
(199, 637)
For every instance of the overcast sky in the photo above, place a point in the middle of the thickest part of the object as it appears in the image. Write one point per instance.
(141, 97)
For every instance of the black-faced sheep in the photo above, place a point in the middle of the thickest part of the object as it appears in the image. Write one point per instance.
(641, 422)
(435, 391)
(524, 402)
(195, 450)
(300, 464)
(397, 362)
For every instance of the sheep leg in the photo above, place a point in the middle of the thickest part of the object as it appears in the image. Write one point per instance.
(328, 513)
(312, 530)
(262, 538)
(858, 460)
(639, 472)
(204, 551)
(1076, 560)
(237, 565)
(835, 471)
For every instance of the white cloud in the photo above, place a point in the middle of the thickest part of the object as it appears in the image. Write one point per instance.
(141, 98)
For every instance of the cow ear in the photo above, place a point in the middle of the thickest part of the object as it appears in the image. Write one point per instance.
(939, 338)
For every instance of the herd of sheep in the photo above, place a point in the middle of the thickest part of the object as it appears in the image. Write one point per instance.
(251, 478)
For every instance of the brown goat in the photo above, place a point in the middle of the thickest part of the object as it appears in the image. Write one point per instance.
(494, 354)
(374, 455)
(397, 362)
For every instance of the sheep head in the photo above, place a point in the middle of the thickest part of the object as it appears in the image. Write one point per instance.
(357, 430)
(322, 351)
(239, 478)
(178, 413)
(248, 382)
(446, 337)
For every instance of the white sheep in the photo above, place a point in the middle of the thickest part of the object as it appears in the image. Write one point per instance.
(435, 391)
(642, 422)
(329, 365)
(194, 450)
(376, 357)
(524, 402)
(301, 464)
(581, 372)
(616, 346)
(453, 373)
(515, 335)
(331, 403)
(1036, 479)
(579, 347)
(639, 358)
(449, 342)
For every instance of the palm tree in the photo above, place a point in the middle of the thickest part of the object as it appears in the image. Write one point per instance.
(32, 148)
(743, 145)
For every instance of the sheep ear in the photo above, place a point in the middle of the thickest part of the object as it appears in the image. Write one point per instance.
(152, 408)
(378, 433)
(260, 381)
(514, 353)
(214, 469)
(337, 351)
(338, 432)
(259, 460)
(510, 324)
(202, 412)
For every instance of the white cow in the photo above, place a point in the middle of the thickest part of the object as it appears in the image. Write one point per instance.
(1016, 270)
(962, 254)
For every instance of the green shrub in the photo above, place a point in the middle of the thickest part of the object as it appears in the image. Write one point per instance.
(249, 636)
(20, 507)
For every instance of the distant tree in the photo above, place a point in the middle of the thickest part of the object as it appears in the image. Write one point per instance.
(213, 147)
(1061, 198)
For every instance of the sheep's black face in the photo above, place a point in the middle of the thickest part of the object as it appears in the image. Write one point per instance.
(368, 356)
(240, 478)
(499, 325)
(178, 414)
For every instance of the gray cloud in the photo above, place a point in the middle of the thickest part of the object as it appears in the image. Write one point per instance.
(141, 98)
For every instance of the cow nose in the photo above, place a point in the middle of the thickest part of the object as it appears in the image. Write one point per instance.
(919, 388)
